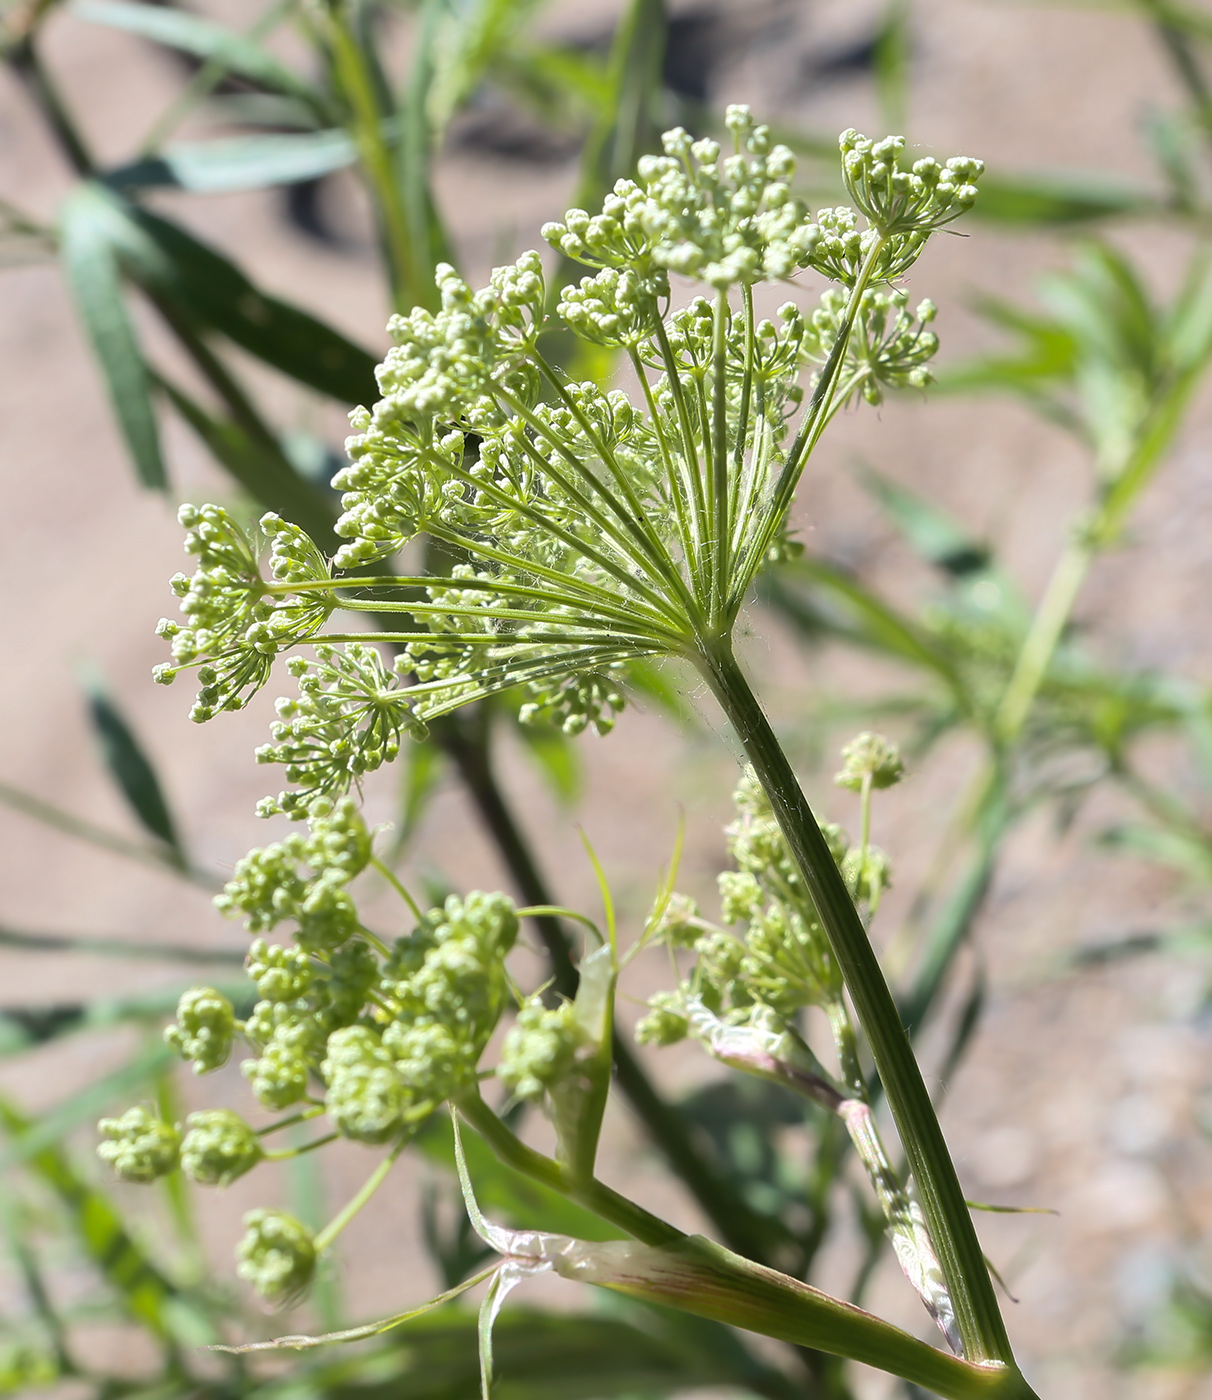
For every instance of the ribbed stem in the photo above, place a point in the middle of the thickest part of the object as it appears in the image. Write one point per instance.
(977, 1314)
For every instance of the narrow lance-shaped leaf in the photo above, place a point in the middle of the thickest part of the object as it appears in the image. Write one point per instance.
(1059, 200)
(129, 766)
(229, 164)
(144, 1290)
(264, 473)
(210, 289)
(96, 284)
(203, 39)
(707, 1280)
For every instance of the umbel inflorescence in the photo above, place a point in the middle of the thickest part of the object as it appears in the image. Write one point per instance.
(599, 526)
(594, 528)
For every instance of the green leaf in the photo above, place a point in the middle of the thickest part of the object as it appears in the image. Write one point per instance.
(203, 39)
(1060, 199)
(93, 276)
(467, 42)
(420, 135)
(1182, 851)
(213, 292)
(933, 534)
(89, 1103)
(145, 1292)
(22, 1026)
(891, 61)
(267, 475)
(940, 540)
(119, 948)
(207, 288)
(822, 599)
(556, 757)
(556, 83)
(524, 1202)
(537, 1355)
(58, 820)
(1048, 355)
(238, 163)
(130, 767)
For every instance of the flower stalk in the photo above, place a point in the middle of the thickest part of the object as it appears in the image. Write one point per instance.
(978, 1317)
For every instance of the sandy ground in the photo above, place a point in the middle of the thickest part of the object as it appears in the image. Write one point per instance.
(1081, 1094)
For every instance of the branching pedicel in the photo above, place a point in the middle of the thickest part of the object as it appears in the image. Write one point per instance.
(597, 531)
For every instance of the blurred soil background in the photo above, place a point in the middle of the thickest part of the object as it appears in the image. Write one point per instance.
(1084, 1093)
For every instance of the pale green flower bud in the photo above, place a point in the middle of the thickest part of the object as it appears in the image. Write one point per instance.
(680, 923)
(869, 877)
(281, 974)
(869, 758)
(219, 1147)
(740, 896)
(666, 1022)
(292, 1037)
(204, 1030)
(366, 1094)
(139, 1146)
(277, 1255)
(540, 1049)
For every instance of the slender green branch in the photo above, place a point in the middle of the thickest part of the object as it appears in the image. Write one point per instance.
(816, 416)
(633, 515)
(1047, 628)
(367, 1190)
(589, 1192)
(977, 1314)
(689, 456)
(398, 885)
(719, 484)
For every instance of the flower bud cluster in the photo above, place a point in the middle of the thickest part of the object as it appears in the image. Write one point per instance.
(724, 219)
(204, 1029)
(219, 1147)
(575, 702)
(781, 959)
(346, 722)
(442, 375)
(615, 308)
(448, 986)
(277, 1255)
(234, 628)
(139, 1146)
(541, 1048)
(888, 348)
(301, 878)
(921, 199)
(869, 760)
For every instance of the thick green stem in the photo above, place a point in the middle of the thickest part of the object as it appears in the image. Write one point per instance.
(700, 1277)
(977, 1315)
(587, 1191)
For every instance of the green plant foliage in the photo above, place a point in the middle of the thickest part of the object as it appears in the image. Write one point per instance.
(576, 541)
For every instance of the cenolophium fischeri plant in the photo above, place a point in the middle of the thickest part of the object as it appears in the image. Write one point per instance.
(588, 530)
